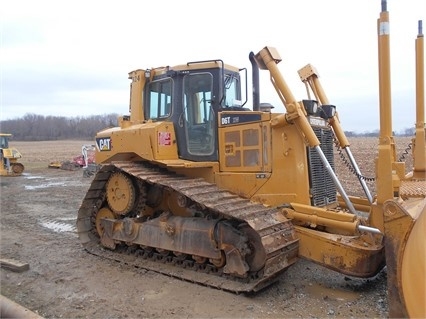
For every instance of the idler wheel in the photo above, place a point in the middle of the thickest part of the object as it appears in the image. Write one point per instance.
(120, 193)
(103, 213)
(256, 258)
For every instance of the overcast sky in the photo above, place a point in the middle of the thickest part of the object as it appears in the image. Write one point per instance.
(72, 58)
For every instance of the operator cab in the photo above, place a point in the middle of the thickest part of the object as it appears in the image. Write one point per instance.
(4, 141)
(191, 96)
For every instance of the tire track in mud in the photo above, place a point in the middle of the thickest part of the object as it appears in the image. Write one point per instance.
(44, 189)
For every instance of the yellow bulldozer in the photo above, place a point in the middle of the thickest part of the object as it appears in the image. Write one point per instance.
(196, 185)
(9, 157)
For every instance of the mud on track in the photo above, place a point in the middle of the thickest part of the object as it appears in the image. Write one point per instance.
(38, 215)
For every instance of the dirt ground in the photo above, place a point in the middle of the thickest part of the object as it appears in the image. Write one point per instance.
(38, 217)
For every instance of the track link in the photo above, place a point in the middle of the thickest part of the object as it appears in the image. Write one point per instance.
(277, 233)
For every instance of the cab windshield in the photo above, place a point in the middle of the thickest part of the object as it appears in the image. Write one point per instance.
(4, 142)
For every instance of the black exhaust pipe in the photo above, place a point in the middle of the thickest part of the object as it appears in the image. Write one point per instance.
(255, 75)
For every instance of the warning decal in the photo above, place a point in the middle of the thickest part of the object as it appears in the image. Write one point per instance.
(164, 138)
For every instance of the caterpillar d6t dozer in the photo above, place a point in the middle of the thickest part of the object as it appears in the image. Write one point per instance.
(9, 157)
(196, 185)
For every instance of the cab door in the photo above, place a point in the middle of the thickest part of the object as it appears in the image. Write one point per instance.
(199, 123)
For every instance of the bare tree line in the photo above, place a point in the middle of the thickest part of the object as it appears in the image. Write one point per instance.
(33, 127)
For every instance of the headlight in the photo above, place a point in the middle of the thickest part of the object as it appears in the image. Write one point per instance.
(328, 111)
(311, 106)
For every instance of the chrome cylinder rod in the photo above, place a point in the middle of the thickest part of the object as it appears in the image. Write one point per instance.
(369, 229)
(361, 180)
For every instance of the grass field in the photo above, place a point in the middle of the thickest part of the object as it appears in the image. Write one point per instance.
(41, 153)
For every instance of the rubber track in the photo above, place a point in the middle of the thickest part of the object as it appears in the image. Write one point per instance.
(278, 236)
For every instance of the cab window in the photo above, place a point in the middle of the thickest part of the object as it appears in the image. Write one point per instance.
(232, 95)
(159, 99)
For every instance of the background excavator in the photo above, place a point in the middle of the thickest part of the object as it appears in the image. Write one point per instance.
(195, 185)
(9, 157)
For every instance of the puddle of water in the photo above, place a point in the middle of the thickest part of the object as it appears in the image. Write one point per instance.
(67, 218)
(49, 182)
(332, 293)
(58, 227)
(28, 176)
(46, 185)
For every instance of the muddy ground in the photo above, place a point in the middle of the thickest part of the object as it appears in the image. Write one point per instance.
(38, 217)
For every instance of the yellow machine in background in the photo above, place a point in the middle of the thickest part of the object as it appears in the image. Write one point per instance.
(196, 185)
(9, 157)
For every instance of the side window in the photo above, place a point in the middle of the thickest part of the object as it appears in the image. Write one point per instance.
(199, 118)
(159, 99)
(232, 96)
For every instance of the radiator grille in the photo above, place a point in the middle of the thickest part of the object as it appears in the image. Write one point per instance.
(323, 190)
